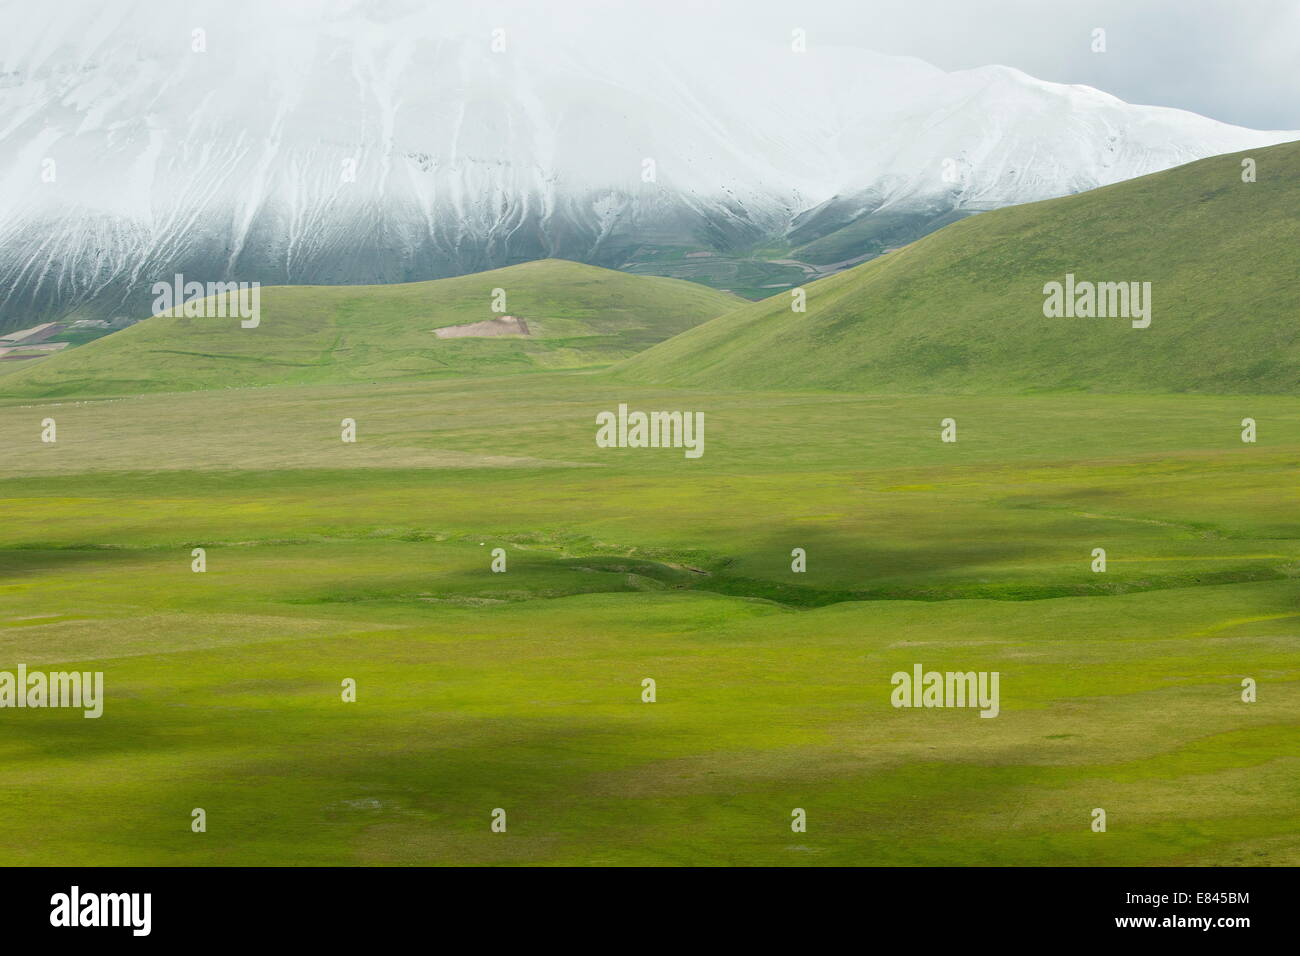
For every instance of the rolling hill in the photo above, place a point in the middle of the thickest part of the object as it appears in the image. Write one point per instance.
(963, 308)
(576, 315)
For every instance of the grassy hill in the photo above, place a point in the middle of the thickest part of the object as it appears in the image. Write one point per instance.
(578, 316)
(962, 308)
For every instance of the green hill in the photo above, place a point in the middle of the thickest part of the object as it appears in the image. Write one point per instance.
(577, 316)
(963, 308)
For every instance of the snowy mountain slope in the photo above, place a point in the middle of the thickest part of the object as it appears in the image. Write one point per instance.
(373, 141)
(980, 139)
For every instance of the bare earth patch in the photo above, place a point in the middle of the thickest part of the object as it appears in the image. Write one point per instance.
(504, 325)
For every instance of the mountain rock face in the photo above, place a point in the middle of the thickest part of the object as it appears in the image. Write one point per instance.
(373, 141)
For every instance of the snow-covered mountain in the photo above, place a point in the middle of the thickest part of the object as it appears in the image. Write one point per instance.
(350, 141)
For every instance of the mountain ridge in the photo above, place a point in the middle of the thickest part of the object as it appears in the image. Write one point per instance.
(375, 143)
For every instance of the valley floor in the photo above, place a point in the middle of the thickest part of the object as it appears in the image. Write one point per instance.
(522, 690)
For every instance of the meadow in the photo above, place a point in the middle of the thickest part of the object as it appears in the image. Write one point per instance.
(522, 690)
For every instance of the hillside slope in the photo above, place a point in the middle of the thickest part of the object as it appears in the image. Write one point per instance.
(577, 316)
(963, 309)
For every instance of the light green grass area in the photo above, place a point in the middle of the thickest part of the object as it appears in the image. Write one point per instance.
(522, 690)
(578, 316)
(962, 308)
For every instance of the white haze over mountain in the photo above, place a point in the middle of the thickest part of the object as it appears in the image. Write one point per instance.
(229, 164)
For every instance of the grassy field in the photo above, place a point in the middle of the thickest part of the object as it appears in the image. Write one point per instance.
(522, 690)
